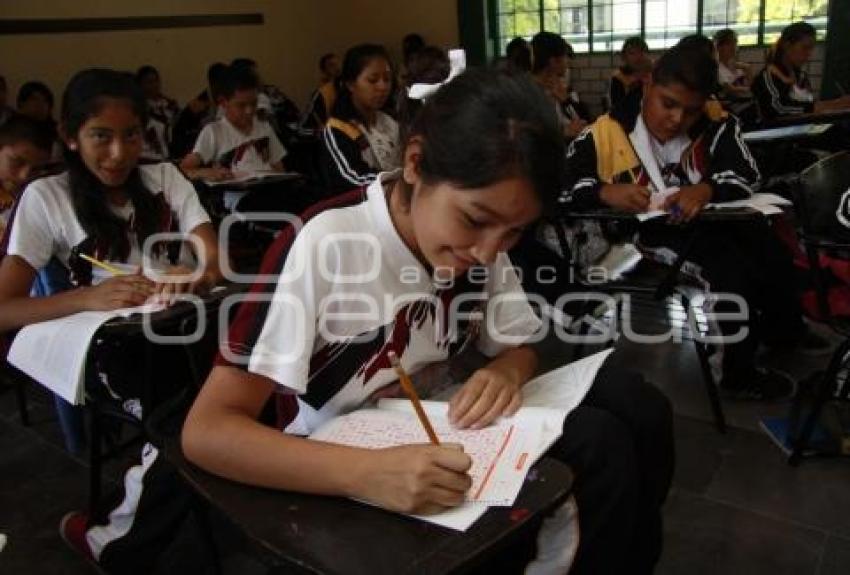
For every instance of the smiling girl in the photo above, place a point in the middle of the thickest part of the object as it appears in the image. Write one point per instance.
(105, 206)
(482, 161)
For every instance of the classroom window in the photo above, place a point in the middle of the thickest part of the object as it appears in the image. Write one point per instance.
(603, 25)
(740, 15)
(667, 21)
(517, 18)
(613, 22)
(779, 12)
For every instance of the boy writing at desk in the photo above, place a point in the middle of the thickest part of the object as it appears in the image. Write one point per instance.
(671, 144)
(450, 212)
(239, 141)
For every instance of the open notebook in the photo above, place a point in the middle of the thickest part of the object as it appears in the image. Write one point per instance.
(254, 176)
(502, 453)
(54, 352)
(765, 203)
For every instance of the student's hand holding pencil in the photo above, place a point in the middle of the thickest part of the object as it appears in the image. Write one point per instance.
(422, 479)
(632, 198)
(117, 292)
(178, 280)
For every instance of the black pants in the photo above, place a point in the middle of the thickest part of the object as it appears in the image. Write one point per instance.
(748, 259)
(619, 443)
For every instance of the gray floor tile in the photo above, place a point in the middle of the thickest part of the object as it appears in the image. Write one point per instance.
(703, 537)
(754, 474)
(699, 452)
(40, 484)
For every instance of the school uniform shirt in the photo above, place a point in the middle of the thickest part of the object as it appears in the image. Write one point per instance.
(5, 113)
(353, 154)
(622, 84)
(571, 109)
(162, 112)
(712, 152)
(733, 76)
(45, 225)
(780, 93)
(222, 143)
(163, 109)
(320, 106)
(346, 290)
(155, 141)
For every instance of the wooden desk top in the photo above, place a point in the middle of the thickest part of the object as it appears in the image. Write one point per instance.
(334, 535)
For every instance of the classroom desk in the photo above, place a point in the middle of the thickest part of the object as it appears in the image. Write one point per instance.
(813, 118)
(692, 230)
(255, 183)
(295, 532)
(781, 134)
(289, 193)
(167, 369)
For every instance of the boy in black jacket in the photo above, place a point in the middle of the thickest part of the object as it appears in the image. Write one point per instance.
(671, 151)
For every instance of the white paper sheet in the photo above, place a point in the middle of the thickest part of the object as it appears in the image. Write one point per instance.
(54, 352)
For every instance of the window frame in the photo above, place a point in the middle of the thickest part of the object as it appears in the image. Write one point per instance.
(496, 40)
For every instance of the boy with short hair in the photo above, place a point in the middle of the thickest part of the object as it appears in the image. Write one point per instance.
(669, 143)
(551, 69)
(239, 141)
(24, 148)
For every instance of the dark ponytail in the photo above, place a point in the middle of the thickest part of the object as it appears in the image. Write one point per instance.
(83, 98)
(486, 126)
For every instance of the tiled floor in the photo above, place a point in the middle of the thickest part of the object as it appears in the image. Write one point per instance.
(736, 507)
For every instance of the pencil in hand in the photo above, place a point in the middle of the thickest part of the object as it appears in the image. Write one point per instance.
(410, 391)
(102, 265)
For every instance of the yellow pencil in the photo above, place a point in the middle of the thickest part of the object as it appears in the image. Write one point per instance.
(410, 391)
(104, 266)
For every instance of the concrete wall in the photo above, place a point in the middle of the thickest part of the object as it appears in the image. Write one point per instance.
(591, 73)
(287, 46)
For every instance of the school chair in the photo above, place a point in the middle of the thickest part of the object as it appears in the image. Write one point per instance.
(821, 197)
(818, 200)
(656, 295)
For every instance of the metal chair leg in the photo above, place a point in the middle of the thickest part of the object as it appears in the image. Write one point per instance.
(705, 366)
(710, 387)
(824, 391)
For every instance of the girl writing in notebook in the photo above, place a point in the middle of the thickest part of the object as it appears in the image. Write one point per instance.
(482, 160)
(782, 88)
(103, 206)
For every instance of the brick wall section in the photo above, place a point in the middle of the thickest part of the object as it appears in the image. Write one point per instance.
(591, 73)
